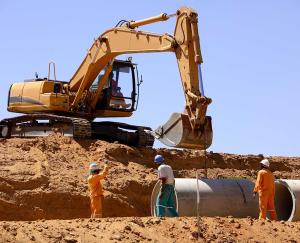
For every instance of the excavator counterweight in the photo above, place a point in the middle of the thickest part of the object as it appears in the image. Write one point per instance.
(103, 86)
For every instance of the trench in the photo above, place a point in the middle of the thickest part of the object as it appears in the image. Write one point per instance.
(29, 206)
(219, 197)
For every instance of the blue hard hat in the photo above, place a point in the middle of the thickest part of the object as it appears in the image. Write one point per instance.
(159, 159)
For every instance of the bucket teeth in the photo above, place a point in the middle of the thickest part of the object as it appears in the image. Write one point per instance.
(177, 132)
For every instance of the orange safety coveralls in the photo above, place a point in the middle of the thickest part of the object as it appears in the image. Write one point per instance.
(96, 192)
(265, 186)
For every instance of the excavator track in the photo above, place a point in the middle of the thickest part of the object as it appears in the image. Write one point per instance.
(81, 128)
(34, 125)
(138, 136)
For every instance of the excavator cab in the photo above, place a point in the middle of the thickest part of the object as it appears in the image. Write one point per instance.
(119, 89)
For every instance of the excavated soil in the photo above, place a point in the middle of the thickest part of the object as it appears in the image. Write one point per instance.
(149, 230)
(44, 198)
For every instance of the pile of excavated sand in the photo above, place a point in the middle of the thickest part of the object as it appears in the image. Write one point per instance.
(148, 229)
(45, 178)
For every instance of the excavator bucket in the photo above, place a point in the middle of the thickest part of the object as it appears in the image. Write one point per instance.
(178, 133)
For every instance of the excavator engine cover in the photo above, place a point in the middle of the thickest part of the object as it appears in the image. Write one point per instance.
(177, 132)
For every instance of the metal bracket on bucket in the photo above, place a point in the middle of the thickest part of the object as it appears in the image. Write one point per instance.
(177, 132)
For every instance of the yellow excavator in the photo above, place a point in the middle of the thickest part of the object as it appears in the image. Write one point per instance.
(103, 86)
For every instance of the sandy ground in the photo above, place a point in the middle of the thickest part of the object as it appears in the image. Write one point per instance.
(43, 193)
(147, 229)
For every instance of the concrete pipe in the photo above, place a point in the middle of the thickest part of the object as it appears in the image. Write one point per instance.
(224, 197)
(287, 199)
(218, 197)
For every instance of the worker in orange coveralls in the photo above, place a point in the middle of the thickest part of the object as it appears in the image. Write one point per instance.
(265, 187)
(95, 188)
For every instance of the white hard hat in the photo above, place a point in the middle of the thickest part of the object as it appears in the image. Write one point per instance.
(94, 166)
(265, 163)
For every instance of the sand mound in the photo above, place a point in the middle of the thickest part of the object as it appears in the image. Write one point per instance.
(44, 179)
(149, 230)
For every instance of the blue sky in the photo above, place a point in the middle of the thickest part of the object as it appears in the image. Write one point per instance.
(251, 63)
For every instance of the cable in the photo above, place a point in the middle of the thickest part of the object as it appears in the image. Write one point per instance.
(121, 22)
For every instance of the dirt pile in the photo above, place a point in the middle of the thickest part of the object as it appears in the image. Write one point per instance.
(45, 178)
(149, 230)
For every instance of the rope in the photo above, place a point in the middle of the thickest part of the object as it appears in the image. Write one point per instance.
(158, 205)
(205, 158)
(198, 203)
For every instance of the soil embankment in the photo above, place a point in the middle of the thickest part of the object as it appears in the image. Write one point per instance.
(45, 179)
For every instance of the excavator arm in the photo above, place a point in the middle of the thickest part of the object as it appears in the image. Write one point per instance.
(189, 59)
(189, 130)
(110, 44)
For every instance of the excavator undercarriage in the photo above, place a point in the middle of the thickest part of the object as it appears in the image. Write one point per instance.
(40, 125)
